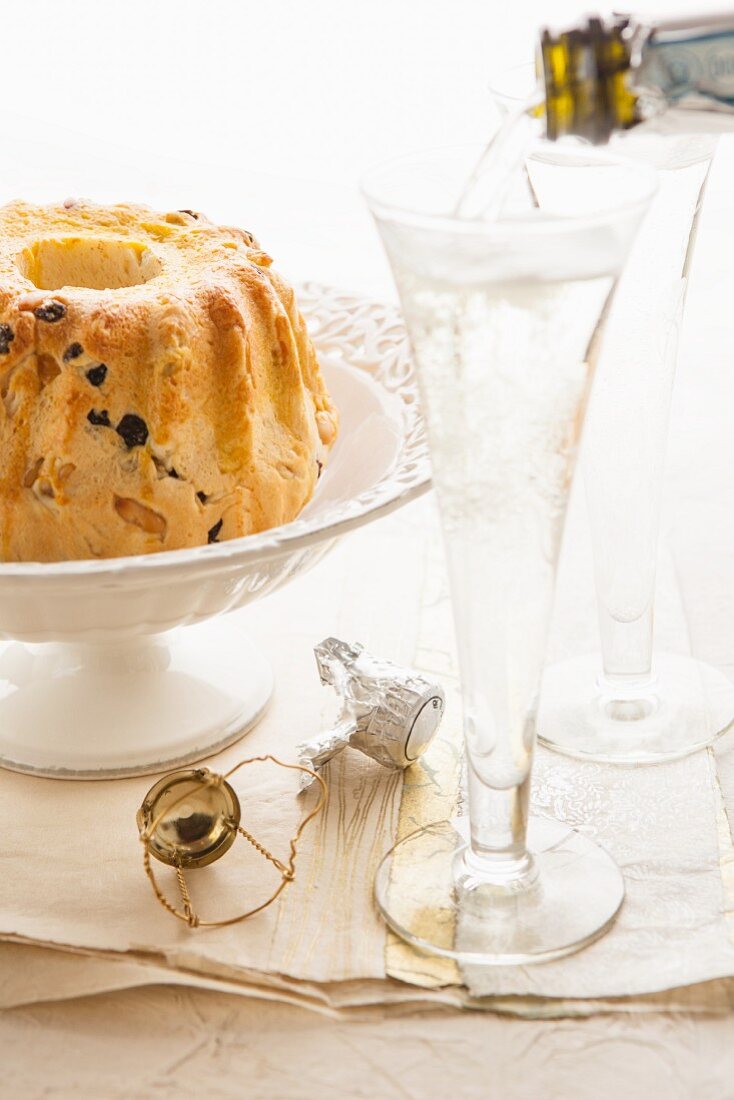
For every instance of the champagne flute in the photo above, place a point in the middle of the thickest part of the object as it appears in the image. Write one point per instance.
(501, 315)
(630, 704)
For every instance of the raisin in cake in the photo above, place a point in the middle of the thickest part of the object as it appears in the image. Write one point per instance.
(159, 388)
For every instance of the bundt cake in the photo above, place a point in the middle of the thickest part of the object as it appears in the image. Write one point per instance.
(159, 388)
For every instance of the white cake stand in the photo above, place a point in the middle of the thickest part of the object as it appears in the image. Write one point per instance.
(125, 667)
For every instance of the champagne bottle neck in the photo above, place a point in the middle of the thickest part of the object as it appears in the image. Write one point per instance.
(606, 76)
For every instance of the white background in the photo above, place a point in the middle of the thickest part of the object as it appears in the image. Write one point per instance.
(263, 113)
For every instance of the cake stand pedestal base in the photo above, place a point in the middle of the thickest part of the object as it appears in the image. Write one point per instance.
(131, 707)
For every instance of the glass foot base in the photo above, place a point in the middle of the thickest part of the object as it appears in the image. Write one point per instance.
(572, 898)
(690, 705)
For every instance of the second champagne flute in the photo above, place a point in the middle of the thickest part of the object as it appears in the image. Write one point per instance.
(630, 704)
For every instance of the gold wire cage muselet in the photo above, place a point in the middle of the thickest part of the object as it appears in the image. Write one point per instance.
(191, 818)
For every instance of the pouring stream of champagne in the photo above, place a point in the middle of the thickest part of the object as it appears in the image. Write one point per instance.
(485, 192)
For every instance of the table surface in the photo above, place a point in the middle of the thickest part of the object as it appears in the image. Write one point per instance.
(266, 115)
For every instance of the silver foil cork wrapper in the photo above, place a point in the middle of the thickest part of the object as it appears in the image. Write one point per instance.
(388, 712)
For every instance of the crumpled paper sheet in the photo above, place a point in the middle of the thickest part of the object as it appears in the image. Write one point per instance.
(181, 1042)
(31, 975)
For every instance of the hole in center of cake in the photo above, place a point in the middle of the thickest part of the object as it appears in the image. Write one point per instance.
(92, 262)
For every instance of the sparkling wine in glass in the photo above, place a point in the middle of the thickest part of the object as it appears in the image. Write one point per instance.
(504, 316)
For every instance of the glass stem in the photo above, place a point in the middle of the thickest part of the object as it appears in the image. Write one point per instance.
(498, 821)
(500, 655)
(627, 684)
(627, 430)
(626, 647)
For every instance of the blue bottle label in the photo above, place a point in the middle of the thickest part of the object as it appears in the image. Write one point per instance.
(703, 65)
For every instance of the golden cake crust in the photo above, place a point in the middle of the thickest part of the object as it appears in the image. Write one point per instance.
(171, 399)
